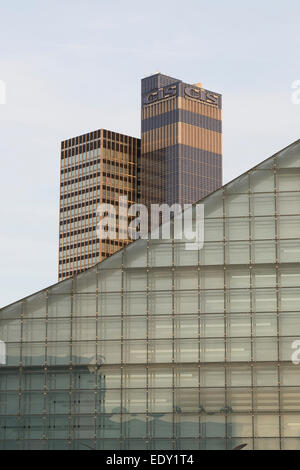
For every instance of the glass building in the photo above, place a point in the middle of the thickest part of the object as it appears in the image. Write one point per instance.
(159, 347)
(181, 153)
(96, 168)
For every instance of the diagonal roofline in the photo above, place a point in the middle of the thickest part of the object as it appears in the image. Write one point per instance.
(131, 244)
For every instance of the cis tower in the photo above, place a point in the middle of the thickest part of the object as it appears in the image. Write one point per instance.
(181, 148)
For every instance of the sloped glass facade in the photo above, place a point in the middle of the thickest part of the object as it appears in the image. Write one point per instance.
(158, 347)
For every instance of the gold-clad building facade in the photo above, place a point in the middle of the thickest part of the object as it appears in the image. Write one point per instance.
(96, 168)
(181, 159)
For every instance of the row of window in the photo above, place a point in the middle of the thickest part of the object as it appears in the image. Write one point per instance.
(81, 149)
(82, 204)
(90, 242)
(80, 166)
(81, 139)
(95, 188)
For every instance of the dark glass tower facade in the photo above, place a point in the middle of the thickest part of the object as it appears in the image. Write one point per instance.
(181, 158)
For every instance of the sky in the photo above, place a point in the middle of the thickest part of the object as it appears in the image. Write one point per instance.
(74, 66)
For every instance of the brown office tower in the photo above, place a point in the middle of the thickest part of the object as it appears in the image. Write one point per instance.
(181, 158)
(96, 168)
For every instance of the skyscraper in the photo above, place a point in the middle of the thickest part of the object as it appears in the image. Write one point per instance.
(96, 168)
(181, 158)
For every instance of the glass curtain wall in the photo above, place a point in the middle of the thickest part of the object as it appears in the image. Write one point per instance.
(159, 347)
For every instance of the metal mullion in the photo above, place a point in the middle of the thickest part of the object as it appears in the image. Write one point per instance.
(277, 300)
(71, 364)
(97, 355)
(225, 315)
(148, 435)
(20, 373)
(173, 341)
(122, 351)
(46, 367)
(199, 347)
(251, 306)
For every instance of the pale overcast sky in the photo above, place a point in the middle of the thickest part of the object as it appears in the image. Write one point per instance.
(73, 66)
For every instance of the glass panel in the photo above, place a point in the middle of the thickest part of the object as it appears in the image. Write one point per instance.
(184, 257)
(35, 306)
(160, 351)
(289, 157)
(212, 301)
(110, 304)
(240, 426)
(212, 254)
(185, 302)
(289, 251)
(289, 299)
(264, 277)
(265, 324)
(237, 229)
(265, 375)
(263, 252)
(262, 228)
(214, 204)
(289, 227)
(262, 181)
(59, 329)
(237, 278)
(160, 254)
(10, 330)
(213, 230)
(133, 328)
(289, 180)
(212, 350)
(239, 376)
(160, 327)
(239, 350)
(237, 205)
(288, 203)
(212, 278)
(160, 279)
(265, 349)
(84, 305)
(262, 204)
(237, 253)
(161, 303)
(289, 324)
(59, 305)
(135, 255)
(289, 374)
(186, 350)
(289, 276)
(238, 301)
(135, 280)
(107, 328)
(135, 352)
(186, 278)
(110, 280)
(212, 376)
(210, 326)
(87, 281)
(238, 325)
(240, 185)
